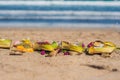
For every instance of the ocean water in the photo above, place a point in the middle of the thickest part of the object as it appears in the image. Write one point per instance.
(105, 13)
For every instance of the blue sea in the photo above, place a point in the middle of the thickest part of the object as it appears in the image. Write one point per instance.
(67, 13)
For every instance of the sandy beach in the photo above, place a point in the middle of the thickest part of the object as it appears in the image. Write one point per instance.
(33, 66)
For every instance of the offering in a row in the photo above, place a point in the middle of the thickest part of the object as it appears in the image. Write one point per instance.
(52, 49)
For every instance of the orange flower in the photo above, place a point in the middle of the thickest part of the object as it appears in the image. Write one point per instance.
(20, 48)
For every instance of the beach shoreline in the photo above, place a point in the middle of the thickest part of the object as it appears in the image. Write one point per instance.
(33, 66)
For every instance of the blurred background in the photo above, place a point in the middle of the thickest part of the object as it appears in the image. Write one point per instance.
(60, 13)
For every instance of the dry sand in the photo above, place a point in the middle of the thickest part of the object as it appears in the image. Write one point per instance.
(33, 66)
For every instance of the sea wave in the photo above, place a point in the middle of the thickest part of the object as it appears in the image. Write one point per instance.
(21, 14)
(60, 12)
(60, 8)
(61, 2)
(54, 21)
(57, 17)
(63, 25)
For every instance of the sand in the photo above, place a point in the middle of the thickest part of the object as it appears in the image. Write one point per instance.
(33, 66)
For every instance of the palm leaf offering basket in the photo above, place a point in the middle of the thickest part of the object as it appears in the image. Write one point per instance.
(5, 43)
(104, 48)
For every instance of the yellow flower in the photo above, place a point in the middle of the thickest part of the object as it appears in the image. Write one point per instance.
(29, 50)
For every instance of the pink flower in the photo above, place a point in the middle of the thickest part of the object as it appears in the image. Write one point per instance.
(43, 42)
(66, 53)
(83, 45)
(90, 44)
(42, 52)
(16, 43)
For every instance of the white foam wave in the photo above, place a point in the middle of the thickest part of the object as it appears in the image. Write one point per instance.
(57, 25)
(22, 12)
(98, 3)
(62, 17)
